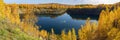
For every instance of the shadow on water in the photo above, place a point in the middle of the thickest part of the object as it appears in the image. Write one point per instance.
(83, 17)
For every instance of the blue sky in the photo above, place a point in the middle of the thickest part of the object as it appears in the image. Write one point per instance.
(63, 1)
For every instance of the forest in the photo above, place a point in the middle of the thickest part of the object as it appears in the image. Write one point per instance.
(12, 27)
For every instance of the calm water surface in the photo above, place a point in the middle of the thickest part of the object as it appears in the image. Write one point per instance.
(61, 22)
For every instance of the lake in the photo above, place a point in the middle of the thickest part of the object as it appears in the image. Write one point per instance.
(62, 22)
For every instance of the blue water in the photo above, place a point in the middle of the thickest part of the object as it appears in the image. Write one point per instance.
(61, 22)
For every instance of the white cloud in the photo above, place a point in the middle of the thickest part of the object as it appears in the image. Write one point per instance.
(104, 1)
(98, 1)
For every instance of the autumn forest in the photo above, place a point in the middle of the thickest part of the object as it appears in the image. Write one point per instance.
(18, 22)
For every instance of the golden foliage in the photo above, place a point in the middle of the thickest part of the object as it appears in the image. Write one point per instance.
(2, 9)
(63, 35)
(87, 31)
(69, 35)
(107, 29)
(112, 33)
(10, 24)
(74, 34)
(53, 36)
(44, 33)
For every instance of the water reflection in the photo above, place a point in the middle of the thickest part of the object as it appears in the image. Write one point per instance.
(61, 22)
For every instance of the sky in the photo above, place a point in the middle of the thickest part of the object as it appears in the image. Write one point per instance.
(73, 2)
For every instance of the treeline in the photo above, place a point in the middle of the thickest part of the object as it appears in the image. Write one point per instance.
(53, 6)
(56, 5)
